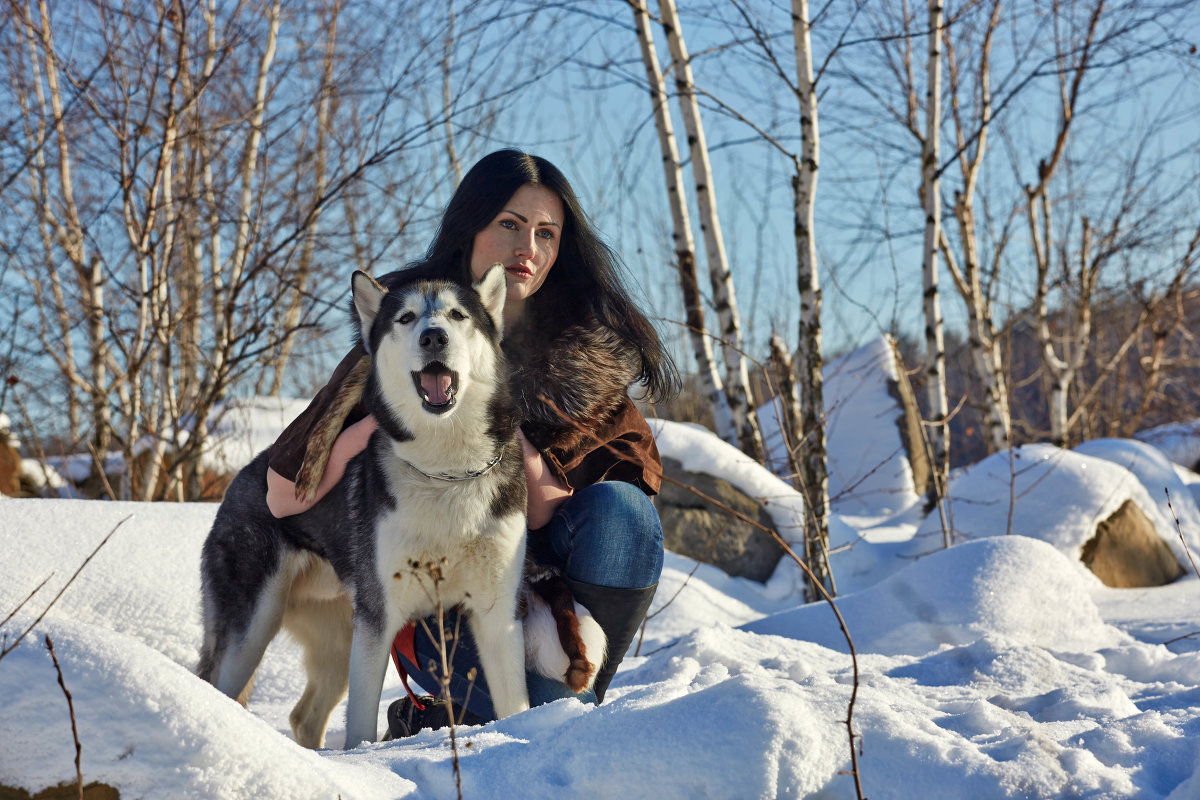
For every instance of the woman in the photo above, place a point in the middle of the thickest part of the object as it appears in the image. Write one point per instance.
(575, 341)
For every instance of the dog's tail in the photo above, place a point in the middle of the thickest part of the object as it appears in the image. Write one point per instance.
(562, 640)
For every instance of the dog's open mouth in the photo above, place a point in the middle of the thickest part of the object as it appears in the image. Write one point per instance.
(437, 386)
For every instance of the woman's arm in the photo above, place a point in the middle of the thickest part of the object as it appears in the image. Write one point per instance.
(281, 493)
(546, 492)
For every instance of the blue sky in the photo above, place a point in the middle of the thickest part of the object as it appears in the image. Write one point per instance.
(593, 118)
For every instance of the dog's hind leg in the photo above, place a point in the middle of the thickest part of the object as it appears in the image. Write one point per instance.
(243, 580)
(324, 630)
(244, 648)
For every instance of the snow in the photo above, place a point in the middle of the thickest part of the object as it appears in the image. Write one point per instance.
(998, 668)
(1180, 441)
(868, 470)
(238, 430)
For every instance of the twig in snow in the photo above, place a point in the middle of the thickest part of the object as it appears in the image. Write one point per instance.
(45, 611)
(849, 721)
(1182, 540)
(71, 709)
(446, 652)
(21, 605)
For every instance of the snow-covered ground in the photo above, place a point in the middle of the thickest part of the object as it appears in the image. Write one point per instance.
(999, 668)
(238, 430)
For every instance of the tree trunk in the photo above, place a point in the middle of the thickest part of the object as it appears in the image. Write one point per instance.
(981, 332)
(685, 247)
(813, 467)
(1063, 368)
(787, 402)
(737, 380)
(935, 347)
(300, 276)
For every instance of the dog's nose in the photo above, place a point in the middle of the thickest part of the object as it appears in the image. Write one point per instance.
(434, 340)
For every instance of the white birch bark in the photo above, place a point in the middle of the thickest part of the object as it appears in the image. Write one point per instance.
(1062, 368)
(935, 346)
(981, 330)
(248, 173)
(737, 375)
(58, 345)
(685, 247)
(447, 96)
(813, 465)
(145, 222)
(70, 235)
(303, 271)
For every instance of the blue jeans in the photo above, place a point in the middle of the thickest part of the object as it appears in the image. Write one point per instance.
(607, 534)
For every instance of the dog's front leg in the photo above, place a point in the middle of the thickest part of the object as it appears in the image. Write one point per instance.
(368, 666)
(498, 633)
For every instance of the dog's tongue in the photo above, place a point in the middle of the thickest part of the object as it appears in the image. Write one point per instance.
(436, 386)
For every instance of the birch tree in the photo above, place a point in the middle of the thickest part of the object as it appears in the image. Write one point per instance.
(935, 342)
(685, 248)
(737, 381)
(1063, 367)
(194, 176)
(812, 404)
(972, 277)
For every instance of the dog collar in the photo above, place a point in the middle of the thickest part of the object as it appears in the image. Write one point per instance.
(470, 475)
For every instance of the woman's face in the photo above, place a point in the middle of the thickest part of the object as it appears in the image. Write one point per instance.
(524, 237)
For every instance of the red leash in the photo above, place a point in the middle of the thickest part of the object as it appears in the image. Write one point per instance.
(403, 645)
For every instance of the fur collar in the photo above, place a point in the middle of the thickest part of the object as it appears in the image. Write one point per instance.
(584, 371)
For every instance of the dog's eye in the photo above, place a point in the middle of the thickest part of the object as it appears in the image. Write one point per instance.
(407, 317)
(457, 315)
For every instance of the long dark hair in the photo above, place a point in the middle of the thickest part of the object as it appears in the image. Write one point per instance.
(586, 278)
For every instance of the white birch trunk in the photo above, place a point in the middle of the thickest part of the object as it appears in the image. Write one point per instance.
(813, 466)
(737, 374)
(60, 345)
(685, 247)
(1062, 369)
(935, 347)
(248, 172)
(71, 239)
(984, 347)
(303, 271)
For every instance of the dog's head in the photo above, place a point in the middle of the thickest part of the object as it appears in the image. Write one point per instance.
(431, 341)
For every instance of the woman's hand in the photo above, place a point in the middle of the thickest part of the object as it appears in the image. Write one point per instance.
(546, 492)
(281, 493)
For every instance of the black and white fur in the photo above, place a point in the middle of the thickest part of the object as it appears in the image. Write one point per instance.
(346, 575)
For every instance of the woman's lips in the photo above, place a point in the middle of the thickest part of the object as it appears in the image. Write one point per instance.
(519, 271)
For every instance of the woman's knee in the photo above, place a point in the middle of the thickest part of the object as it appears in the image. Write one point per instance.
(613, 536)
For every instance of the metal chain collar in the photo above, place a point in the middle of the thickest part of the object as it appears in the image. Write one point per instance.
(470, 475)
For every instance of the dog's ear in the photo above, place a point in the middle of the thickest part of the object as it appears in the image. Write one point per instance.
(493, 289)
(368, 294)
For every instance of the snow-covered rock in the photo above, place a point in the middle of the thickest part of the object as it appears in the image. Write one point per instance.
(1058, 496)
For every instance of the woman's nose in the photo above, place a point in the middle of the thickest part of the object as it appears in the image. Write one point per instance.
(525, 244)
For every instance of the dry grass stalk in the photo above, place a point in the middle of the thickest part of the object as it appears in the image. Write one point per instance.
(71, 709)
(9, 648)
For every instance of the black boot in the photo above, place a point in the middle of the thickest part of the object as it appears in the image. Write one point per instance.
(619, 613)
(405, 718)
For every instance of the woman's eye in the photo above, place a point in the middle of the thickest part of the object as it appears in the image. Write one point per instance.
(457, 315)
(508, 223)
(407, 317)
(546, 233)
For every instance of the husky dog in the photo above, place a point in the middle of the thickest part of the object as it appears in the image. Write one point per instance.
(433, 511)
